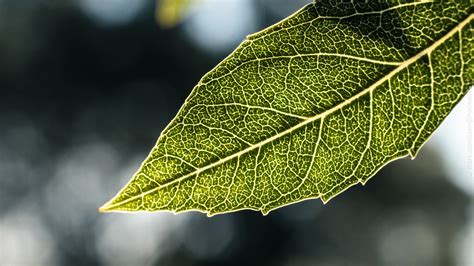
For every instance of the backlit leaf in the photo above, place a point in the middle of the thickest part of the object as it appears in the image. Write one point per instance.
(309, 107)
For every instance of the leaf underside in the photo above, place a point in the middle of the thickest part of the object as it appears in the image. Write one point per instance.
(309, 107)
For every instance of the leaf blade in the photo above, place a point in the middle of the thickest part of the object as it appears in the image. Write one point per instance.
(216, 189)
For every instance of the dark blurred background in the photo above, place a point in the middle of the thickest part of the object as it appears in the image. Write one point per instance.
(88, 85)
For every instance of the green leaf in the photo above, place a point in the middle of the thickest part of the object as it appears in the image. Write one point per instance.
(309, 107)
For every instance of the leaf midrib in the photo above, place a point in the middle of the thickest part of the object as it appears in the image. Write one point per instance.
(339, 106)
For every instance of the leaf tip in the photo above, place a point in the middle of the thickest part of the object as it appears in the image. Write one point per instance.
(107, 207)
(103, 209)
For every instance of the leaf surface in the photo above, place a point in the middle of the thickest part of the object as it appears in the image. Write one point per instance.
(309, 107)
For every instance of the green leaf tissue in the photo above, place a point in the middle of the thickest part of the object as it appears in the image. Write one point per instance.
(309, 107)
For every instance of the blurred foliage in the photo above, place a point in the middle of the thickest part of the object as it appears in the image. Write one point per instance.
(171, 12)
